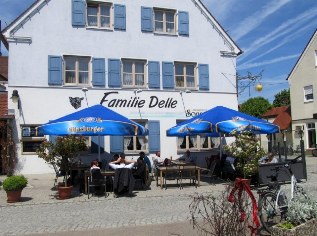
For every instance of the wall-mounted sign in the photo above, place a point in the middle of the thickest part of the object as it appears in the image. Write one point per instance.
(152, 102)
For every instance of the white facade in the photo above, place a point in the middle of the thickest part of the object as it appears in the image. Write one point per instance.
(45, 29)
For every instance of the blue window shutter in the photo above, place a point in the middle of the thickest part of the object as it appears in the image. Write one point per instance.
(114, 73)
(154, 74)
(146, 19)
(78, 13)
(98, 72)
(183, 23)
(55, 70)
(154, 136)
(119, 17)
(116, 144)
(95, 144)
(168, 74)
(203, 76)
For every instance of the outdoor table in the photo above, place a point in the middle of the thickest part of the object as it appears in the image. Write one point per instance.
(88, 174)
(77, 169)
(187, 166)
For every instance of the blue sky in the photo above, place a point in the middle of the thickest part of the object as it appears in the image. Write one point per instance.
(271, 33)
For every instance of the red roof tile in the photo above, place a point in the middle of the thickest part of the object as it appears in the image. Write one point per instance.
(282, 116)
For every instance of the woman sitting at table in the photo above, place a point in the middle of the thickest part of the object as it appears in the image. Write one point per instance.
(97, 177)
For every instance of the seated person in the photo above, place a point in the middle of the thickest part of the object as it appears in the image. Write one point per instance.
(114, 158)
(97, 177)
(146, 160)
(158, 160)
(94, 166)
(268, 159)
(187, 157)
(121, 162)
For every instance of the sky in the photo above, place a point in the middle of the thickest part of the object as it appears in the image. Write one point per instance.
(271, 33)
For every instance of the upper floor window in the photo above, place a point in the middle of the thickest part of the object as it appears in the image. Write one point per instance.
(185, 75)
(134, 144)
(99, 15)
(133, 73)
(164, 21)
(76, 70)
(308, 93)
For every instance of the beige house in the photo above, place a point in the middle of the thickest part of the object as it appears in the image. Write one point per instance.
(303, 86)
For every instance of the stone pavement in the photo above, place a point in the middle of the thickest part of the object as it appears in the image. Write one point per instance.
(151, 212)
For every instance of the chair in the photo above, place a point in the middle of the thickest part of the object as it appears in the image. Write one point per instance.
(210, 168)
(95, 181)
(186, 173)
(171, 173)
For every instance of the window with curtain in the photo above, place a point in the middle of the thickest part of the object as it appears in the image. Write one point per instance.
(30, 139)
(185, 75)
(99, 15)
(164, 21)
(76, 70)
(135, 144)
(133, 73)
(308, 93)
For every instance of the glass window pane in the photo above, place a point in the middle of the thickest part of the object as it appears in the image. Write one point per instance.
(179, 69)
(70, 63)
(170, 17)
(105, 10)
(31, 146)
(83, 63)
(180, 81)
(170, 27)
(139, 79)
(159, 26)
(105, 22)
(83, 77)
(158, 16)
(92, 10)
(190, 69)
(70, 77)
(190, 81)
(139, 67)
(92, 20)
(127, 79)
(127, 66)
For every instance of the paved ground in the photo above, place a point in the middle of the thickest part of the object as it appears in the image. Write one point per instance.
(152, 212)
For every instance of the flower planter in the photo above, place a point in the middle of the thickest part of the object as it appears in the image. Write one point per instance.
(308, 228)
(14, 196)
(64, 192)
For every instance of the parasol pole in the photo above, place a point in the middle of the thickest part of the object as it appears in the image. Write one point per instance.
(220, 145)
(99, 159)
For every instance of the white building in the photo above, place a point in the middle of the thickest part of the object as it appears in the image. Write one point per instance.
(140, 58)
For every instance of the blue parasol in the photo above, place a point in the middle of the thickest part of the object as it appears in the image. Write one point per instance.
(93, 121)
(206, 122)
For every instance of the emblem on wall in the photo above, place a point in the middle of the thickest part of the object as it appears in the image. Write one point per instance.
(75, 102)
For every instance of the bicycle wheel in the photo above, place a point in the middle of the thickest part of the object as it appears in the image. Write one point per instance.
(269, 214)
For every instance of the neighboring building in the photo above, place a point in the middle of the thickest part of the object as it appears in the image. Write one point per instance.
(157, 62)
(303, 87)
(280, 116)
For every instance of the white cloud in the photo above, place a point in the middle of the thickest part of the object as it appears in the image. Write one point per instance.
(255, 19)
(272, 61)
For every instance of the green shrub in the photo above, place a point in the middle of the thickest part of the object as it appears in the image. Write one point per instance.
(14, 183)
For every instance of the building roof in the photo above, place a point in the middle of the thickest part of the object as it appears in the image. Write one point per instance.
(282, 116)
(4, 68)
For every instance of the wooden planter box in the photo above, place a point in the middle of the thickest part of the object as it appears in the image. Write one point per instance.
(307, 229)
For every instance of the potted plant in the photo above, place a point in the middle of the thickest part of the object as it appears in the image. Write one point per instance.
(14, 185)
(246, 148)
(60, 153)
(300, 218)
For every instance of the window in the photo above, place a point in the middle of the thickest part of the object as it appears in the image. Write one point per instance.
(185, 75)
(133, 73)
(195, 142)
(311, 132)
(30, 139)
(76, 70)
(99, 15)
(164, 21)
(135, 144)
(308, 93)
